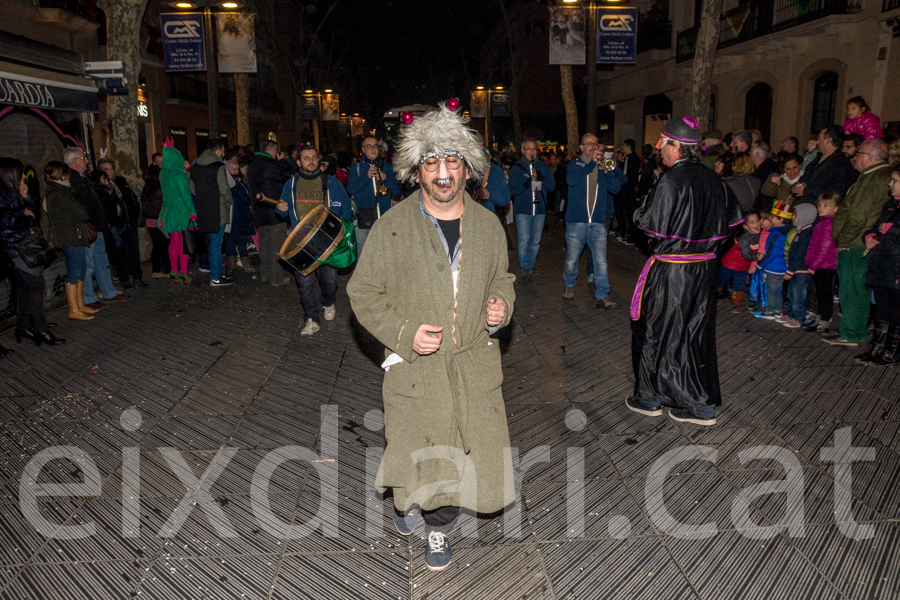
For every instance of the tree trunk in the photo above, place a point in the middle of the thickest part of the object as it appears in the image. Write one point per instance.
(704, 61)
(298, 116)
(123, 21)
(242, 108)
(568, 94)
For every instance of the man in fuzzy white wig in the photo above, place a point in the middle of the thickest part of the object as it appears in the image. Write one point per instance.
(432, 287)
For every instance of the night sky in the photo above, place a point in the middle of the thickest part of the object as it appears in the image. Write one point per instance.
(408, 51)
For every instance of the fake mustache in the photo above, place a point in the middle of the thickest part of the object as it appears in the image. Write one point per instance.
(445, 181)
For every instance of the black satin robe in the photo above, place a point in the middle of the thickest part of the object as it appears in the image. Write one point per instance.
(691, 211)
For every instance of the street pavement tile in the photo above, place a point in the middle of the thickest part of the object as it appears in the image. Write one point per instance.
(76, 581)
(275, 431)
(810, 439)
(157, 479)
(57, 471)
(589, 456)
(510, 572)
(237, 478)
(731, 566)
(874, 483)
(614, 418)
(190, 433)
(382, 575)
(633, 455)
(222, 578)
(630, 569)
(20, 539)
(859, 567)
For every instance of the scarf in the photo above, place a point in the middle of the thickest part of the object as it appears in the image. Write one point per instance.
(794, 180)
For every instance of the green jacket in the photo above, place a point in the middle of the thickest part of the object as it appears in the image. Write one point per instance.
(67, 216)
(861, 208)
(710, 156)
(177, 203)
(450, 402)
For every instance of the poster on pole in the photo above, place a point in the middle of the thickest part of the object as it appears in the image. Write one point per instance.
(310, 109)
(358, 126)
(479, 104)
(182, 38)
(567, 42)
(237, 42)
(616, 35)
(500, 104)
(331, 107)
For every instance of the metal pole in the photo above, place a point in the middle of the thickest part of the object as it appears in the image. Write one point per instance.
(212, 76)
(591, 62)
(487, 122)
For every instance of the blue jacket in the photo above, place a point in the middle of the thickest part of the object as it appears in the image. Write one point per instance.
(774, 262)
(496, 185)
(361, 190)
(241, 216)
(607, 184)
(796, 262)
(338, 200)
(520, 187)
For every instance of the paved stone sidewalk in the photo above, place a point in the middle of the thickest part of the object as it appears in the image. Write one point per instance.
(202, 370)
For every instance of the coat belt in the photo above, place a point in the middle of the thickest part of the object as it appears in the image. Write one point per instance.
(453, 374)
(668, 258)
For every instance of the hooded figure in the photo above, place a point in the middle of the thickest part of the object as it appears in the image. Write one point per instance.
(178, 207)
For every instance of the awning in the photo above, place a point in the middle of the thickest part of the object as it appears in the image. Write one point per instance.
(37, 88)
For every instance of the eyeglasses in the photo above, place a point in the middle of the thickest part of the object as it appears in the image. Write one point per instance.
(589, 144)
(432, 163)
(369, 146)
(858, 153)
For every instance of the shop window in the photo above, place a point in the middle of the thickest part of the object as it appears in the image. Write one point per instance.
(825, 91)
(201, 140)
(179, 137)
(758, 109)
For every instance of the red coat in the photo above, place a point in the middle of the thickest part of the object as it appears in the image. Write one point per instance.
(868, 124)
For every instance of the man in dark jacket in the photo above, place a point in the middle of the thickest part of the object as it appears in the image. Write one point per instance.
(128, 261)
(266, 176)
(764, 168)
(209, 185)
(830, 172)
(95, 257)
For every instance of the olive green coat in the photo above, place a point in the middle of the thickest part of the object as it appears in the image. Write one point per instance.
(67, 216)
(450, 402)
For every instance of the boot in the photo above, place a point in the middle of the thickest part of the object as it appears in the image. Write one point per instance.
(737, 301)
(75, 302)
(890, 356)
(85, 309)
(876, 346)
(824, 328)
(247, 266)
(232, 264)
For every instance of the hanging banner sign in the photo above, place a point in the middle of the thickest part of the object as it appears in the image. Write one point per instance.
(310, 109)
(357, 126)
(616, 35)
(237, 42)
(182, 37)
(479, 104)
(567, 45)
(331, 107)
(500, 104)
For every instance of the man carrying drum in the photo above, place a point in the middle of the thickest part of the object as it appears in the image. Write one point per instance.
(305, 190)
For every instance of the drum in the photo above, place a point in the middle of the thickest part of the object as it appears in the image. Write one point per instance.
(312, 240)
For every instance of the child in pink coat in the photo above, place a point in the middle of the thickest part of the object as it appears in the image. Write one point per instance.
(861, 120)
(821, 258)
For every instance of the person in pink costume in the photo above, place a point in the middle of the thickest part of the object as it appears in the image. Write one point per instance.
(178, 210)
(862, 120)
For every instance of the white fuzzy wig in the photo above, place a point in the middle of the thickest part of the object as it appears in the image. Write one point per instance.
(439, 131)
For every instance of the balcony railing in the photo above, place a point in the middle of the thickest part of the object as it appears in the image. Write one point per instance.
(187, 88)
(890, 5)
(654, 35)
(758, 19)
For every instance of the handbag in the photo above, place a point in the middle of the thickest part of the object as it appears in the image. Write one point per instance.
(90, 231)
(118, 234)
(34, 249)
(188, 242)
(365, 218)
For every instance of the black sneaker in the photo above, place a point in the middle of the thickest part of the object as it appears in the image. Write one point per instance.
(223, 280)
(437, 552)
(683, 415)
(406, 524)
(634, 404)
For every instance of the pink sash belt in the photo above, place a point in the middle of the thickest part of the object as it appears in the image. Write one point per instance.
(669, 258)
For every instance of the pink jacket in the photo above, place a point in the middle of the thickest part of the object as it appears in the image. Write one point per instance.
(822, 253)
(868, 124)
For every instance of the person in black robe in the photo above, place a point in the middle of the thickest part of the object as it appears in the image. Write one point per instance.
(687, 217)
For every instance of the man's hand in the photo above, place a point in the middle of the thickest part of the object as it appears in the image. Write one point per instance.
(282, 206)
(103, 152)
(496, 310)
(871, 242)
(428, 339)
(482, 194)
(27, 213)
(798, 188)
(373, 171)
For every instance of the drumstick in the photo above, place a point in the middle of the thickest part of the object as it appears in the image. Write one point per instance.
(263, 198)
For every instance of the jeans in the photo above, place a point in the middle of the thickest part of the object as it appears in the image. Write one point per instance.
(855, 296)
(738, 279)
(309, 298)
(361, 235)
(797, 295)
(271, 238)
(529, 229)
(75, 264)
(214, 245)
(595, 236)
(774, 294)
(97, 262)
(30, 291)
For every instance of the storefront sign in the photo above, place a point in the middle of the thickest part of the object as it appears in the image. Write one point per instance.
(616, 35)
(25, 91)
(500, 104)
(143, 111)
(310, 108)
(182, 35)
